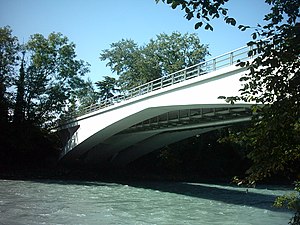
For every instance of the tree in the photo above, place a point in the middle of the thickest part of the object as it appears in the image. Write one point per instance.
(82, 97)
(161, 56)
(107, 87)
(53, 78)
(9, 48)
(176, 51)
(19, 114)
(132, 63)
(273, 80)
(87, 95)
(122, 58)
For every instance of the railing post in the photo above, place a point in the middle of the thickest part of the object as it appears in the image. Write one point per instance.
(231, 58)
(184, 75)
(214, 64)
(250, 49)
(172, 79)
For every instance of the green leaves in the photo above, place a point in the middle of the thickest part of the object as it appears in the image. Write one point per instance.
(274, 137)
(53, 77)
(107, 87)
(203, 10)
(273, 82)
(9, 48)
(241, 64)
(208, 27)
(199, 24)
(174, 4)
(254, 36)
(230, 21)
(163, 55)
(243, 27)
(230, 100)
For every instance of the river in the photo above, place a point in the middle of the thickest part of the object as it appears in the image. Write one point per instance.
(80, 202)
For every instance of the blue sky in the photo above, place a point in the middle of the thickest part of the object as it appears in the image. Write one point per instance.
(94, 24)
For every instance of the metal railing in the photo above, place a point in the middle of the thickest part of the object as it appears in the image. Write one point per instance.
(227, 59)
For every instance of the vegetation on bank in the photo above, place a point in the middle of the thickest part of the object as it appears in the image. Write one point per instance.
(273, 80)
(42, 82)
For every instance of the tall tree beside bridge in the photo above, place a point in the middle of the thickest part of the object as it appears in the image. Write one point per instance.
(53, 77)
(166, 54)
(36, 90)
(49, 80)
(273, 80)
(19, 114)
(9, 47)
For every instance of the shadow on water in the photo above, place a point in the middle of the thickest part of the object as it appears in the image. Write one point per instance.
(225, 194)
(222, 193)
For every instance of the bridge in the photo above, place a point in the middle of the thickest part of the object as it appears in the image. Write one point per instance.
(119, 130)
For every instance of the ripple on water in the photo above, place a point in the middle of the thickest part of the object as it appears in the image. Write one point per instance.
(25, 202)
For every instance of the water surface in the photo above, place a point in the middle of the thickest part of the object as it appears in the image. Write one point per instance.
(61, 202)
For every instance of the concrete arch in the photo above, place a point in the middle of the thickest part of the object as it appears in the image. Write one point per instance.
(92, 141)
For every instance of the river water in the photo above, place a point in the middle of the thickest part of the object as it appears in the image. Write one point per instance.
(67, 202)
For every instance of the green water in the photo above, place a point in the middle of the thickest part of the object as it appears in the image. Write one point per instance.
(60, 202)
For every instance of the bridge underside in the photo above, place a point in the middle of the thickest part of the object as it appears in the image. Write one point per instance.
(156, 132)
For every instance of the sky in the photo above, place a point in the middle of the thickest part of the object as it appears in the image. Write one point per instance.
(94, 24)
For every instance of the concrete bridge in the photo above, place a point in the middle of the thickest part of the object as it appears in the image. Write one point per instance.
(181, 105)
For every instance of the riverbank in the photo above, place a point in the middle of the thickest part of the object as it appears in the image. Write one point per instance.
(27, 153)
(124, 175)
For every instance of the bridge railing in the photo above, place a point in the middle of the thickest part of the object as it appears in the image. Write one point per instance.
(227, 59)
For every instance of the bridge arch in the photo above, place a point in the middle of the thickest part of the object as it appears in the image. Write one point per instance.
(115, 135)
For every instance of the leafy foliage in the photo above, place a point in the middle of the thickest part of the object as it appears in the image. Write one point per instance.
(291, 201)
(203, 10)
(124, 59)
(9, 48)
(50, 82)
(36, 90)
(166, 54)
(53, 77)
(107, 87)
(272, 82)
(19, 114)
(176, 51)
(84, 96)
